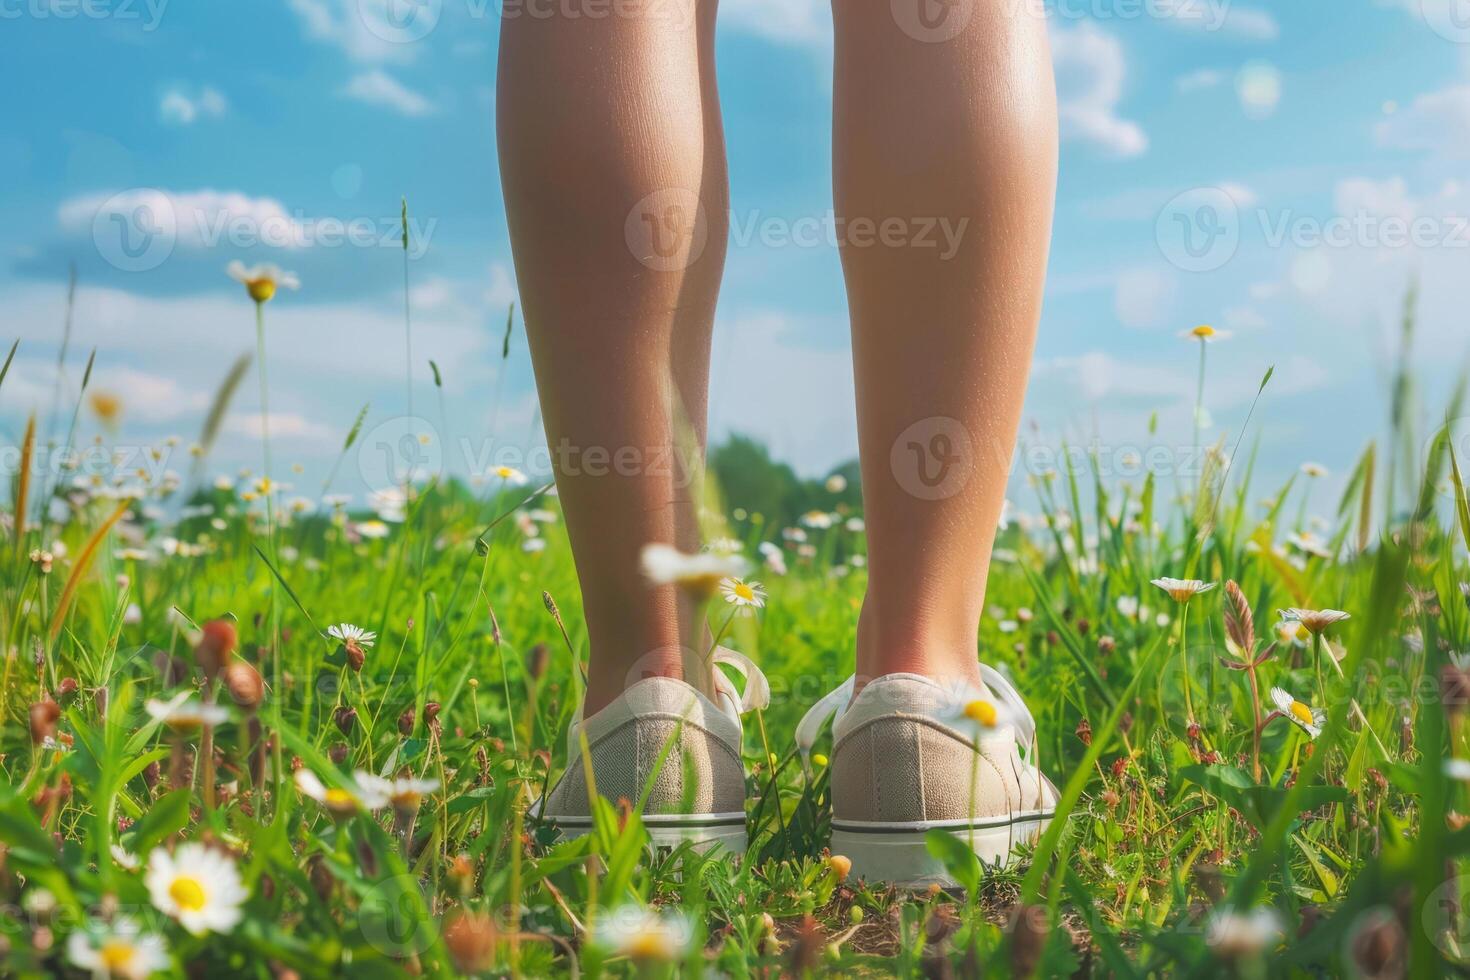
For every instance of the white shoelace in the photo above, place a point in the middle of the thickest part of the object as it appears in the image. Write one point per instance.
(835, 703)
(757, 689)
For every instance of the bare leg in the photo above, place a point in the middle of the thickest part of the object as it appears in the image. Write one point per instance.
(612, 160)
(959, 130)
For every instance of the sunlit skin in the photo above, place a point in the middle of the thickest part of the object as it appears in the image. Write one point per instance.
(596, 115)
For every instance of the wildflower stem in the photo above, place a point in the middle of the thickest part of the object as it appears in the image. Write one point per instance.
(1250, 673)
(1199, 411)
(1184, 660)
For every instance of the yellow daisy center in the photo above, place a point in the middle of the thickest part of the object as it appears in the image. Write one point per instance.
(261, 290)
(340, 799)
(1204, 331)
(117, 954)
(648, 945)
(743, 591)
(1302, 713)
(188, 893)
(504, 472)
(982, 712)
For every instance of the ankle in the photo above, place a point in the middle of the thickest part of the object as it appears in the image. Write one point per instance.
(947, 655)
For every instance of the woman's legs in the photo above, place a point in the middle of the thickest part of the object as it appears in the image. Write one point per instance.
(934, 130)
(612, 160)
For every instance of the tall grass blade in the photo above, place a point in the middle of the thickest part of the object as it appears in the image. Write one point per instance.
(79, 569)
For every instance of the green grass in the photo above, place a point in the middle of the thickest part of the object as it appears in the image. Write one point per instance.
(1350, 838)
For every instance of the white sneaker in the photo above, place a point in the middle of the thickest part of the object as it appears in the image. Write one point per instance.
(698, 793)
(906, 760)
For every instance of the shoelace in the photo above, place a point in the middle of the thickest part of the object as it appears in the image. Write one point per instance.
(834, 706)
(757, 694)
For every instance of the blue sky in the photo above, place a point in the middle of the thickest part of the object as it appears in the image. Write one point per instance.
(1315, 140)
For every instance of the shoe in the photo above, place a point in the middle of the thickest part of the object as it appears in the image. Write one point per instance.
(698, 793)
(905, 756)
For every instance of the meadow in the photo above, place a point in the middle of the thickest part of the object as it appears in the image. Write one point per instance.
(269, 731)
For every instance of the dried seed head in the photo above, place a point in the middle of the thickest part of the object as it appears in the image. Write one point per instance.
(217, 642)
(405, 722)
(537, 660)
(1240, 624)
(44, 716)
(471, 939)
(245, 685)
(346, 718)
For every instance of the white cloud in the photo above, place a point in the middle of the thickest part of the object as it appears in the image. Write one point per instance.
(1243, 196)
(379, 88)
(502, 289)
(183, 108)
(194, 219)
(1258, 86)
(150, 397)
(805, 22)
(370, 31)
(1143, 297)
(1219, 16)
(287, 426)
(803, 410)
(1096, 375)
(338, 349)
(1195, 81)
(1251, 24)
(1090, 68)
(1435, 121)
(1243, 318)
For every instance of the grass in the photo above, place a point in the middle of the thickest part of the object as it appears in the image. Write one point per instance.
(1185, 846)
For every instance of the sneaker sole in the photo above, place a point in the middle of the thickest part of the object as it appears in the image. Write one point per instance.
(898, 854)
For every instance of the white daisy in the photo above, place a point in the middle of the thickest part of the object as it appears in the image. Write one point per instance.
(1205, 334)
(125, 858)
(1299, 713)
(372, 529)
(262, 281)
(346, 632)
(196, 885)
(509, 474)
(1233, 935)
(185, 714)
(1181, 590)
(341, 801)
(699, 574)
(404, 793)
(121, 950)
(644, 935)
(742, 594)
(1315, 620)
